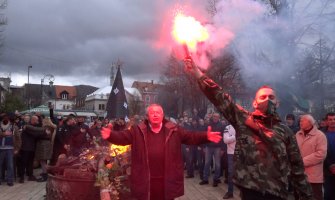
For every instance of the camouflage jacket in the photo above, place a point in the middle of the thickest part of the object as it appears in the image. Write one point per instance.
(266, 155)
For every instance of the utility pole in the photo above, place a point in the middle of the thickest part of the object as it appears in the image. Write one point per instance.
(28, 88)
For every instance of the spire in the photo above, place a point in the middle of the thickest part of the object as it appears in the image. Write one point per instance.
(117, 106)
(112, 75)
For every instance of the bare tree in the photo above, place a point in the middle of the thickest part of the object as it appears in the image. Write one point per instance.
(182, 92)
(212, 7)
(135, 105)
(317, 74)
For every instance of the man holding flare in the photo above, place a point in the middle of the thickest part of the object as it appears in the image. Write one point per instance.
(266, 153)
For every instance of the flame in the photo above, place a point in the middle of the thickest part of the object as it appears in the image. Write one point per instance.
(117, 149)
(187, 30)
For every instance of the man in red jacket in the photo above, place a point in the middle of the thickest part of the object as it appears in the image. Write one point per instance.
(157, 166)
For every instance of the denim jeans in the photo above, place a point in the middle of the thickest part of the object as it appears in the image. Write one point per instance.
(200, 160)
(230, 173)
(190, 160)
(211, 152)
(7, 154)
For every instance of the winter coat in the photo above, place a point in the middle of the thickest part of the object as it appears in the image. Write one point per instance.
(174, 168)
(313, 149)
(62, 137)
(29, 136)
(44, 146)
(10, 142)
(266, 151)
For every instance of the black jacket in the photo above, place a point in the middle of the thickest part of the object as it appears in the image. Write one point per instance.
(29, 136)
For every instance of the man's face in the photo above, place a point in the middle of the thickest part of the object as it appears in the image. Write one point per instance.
(34, 120)
(71, 122)
(262, 96)
(80, 120)
(289, 122)
(155, 115)
(305, 124)
(216, 118)
(27, 118)
(331, 122)
(99, 124)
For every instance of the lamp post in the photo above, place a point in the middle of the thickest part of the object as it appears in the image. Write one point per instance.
(28, 88)
(51, 79)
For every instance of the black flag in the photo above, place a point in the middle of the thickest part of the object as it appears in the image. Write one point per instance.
(117, 106)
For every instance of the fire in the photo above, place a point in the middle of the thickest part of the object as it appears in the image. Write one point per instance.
(187, 30)
(116, 149)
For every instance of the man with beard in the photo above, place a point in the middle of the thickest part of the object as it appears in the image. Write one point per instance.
(266, 151)
(157, 165)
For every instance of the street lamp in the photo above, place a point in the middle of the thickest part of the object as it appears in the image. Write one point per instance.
(51, 79)
(28, 88)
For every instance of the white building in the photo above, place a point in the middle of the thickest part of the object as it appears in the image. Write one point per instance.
(97, 101)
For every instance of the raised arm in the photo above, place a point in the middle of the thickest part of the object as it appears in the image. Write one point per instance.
(37, 132)
(220, 99)
(117, 137)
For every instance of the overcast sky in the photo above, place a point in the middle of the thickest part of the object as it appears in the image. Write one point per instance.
(77, 41)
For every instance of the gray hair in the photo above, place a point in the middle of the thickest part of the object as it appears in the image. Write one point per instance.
(310, 118)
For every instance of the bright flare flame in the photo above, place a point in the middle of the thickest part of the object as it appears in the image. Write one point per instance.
(187, 30)
(116, 149)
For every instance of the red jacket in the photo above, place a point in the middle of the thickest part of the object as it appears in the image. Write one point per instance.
(174, 168)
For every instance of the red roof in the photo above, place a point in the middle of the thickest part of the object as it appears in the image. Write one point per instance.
(69, 89)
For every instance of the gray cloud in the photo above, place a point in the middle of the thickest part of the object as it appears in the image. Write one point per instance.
(77, 41)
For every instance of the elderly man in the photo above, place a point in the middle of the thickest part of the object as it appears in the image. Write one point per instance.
(266, 151)
(313, 148)
(157, 166)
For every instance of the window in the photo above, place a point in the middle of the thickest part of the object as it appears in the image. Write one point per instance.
(101, 106)
(147, 98)
(64, 95)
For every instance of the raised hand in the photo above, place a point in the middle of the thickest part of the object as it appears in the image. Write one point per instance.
(106, 131)
(191, 67)
(213, 136)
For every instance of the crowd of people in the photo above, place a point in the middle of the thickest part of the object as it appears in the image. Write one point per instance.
(33, 137)
(33, 140)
